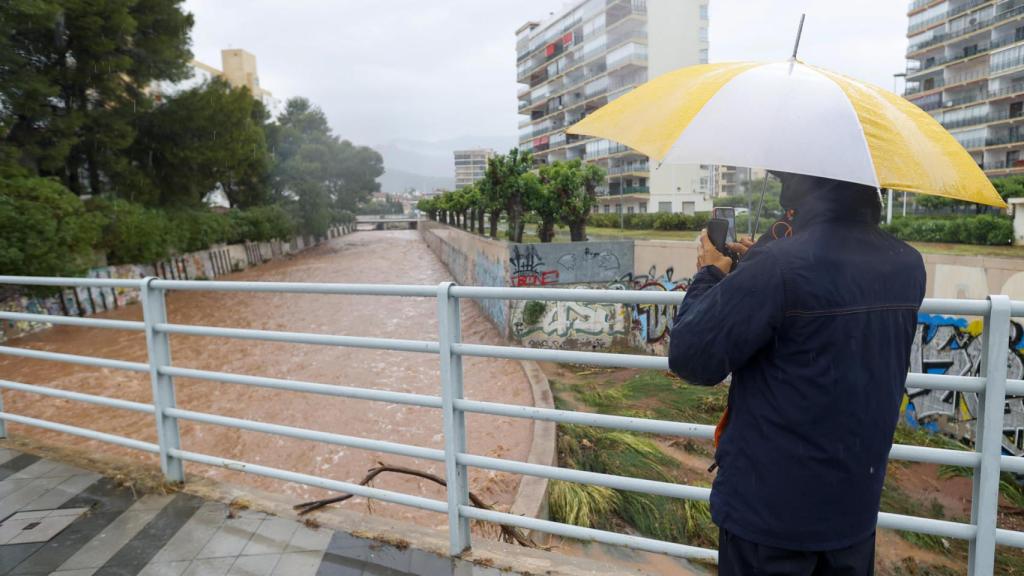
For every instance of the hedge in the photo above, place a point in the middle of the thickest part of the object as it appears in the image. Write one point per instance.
(985, 229)
(650, 221)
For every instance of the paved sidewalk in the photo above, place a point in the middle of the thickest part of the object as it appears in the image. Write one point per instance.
(59, 519)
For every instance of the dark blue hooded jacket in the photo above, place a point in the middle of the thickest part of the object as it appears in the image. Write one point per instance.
(816, 330)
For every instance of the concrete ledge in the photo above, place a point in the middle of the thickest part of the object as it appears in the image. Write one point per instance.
(532, 495)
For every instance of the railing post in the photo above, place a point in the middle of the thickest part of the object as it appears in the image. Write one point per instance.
(450, 331)
(158, 345)
(988, 436)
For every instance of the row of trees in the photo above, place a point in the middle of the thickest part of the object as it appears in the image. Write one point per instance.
(81, 118)
(560, 193)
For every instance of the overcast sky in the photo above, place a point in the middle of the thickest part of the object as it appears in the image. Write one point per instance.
(443, 69)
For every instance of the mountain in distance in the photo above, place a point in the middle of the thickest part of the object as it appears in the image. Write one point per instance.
(426, 165)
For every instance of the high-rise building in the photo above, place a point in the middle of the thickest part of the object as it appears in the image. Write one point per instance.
(587, 55)
(238, 70)
(965, 66)
(470, 165)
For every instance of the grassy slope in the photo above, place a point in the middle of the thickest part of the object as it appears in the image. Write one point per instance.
(910, 488)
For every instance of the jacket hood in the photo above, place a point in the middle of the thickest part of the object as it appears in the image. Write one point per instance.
(823, 199)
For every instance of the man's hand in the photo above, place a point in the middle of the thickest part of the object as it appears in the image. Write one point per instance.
(708, 255)
(741, 247)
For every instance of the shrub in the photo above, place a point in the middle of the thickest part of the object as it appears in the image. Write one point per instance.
(985, 229)
(45, 230)
(533, 311)
(133, 233)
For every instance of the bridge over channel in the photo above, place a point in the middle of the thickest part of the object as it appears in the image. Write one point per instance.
(451, 406)
(386, 222)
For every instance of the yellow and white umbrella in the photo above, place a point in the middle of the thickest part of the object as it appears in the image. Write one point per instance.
(792, 117)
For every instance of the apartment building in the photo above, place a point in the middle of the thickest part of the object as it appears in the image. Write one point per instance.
(965, 66)
(238, 68)
(470, 165)
(736, 180)
(592, 52)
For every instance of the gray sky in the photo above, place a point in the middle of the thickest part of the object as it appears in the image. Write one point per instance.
(443, 69)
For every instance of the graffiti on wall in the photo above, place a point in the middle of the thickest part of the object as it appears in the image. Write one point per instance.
(571, 325)
(651, 322)
(528, 268)
(573, 263)
(946, 345)
(86, 301)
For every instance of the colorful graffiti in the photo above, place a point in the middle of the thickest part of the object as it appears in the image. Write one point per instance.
(651, 322)
(571, 325)
(946, 345)
(573, 263)
(489, 272)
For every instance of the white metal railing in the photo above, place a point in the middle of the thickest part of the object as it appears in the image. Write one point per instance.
(987, 459)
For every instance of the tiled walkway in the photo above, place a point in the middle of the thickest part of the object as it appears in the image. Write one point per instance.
(58, 519)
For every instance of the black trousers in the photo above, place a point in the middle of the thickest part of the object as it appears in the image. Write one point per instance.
(739, 557)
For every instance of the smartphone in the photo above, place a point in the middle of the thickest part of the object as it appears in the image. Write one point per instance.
(728, 214)
(718, 233)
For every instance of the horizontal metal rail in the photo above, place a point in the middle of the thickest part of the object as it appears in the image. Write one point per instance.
(591, 534)
(83, 432)
(86, 282)
(628, 423)
(670, 489)
(986, 463)
(371, 394)
(545, 355)
(296, 288)
(311, 435)
(74, 359)
(931, 526)
(316, 481)
(79, 397)
(302, 338)
(74, 321)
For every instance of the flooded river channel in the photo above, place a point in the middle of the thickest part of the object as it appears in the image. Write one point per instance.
(397, 257)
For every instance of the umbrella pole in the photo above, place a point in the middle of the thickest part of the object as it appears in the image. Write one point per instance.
(760, 205)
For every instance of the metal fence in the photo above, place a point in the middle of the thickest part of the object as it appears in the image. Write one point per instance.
(986, 460)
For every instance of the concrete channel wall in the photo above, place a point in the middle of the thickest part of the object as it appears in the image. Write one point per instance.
(202, 265)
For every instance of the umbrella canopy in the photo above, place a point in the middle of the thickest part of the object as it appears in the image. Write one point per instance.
(792, 117)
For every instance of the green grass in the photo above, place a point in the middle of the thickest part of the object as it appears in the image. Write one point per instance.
(969, 249)
(654, 394)
(625, 454)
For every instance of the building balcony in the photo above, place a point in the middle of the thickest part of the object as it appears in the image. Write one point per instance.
(949, 14)
(918, 5)
(983, 119)
(944, 37)
(930, 66)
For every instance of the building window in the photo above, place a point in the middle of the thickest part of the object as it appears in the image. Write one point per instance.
(664, 206)
(703, 33)
(630, 210)
(607, 208)
(703, 11)
(703, 55)
(618, 208)
(643, 207)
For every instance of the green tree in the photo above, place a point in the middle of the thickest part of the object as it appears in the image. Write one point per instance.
(73, 75)
(315, 171)
(45, 230)
(574, 187)
(210, 135)
(506, 185)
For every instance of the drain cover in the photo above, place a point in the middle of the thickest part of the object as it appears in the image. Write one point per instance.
(37, 525)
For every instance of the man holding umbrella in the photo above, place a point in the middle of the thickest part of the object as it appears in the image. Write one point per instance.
(816, 328)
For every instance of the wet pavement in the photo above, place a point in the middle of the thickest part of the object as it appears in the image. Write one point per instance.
(63, 520)
(397, 257)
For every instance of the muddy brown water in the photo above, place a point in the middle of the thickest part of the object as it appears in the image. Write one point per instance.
(394, 257)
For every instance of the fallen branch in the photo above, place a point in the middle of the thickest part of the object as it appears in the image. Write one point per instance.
(509, 534)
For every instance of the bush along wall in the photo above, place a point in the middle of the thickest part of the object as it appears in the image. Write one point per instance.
(650, 221)
(985, 229)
